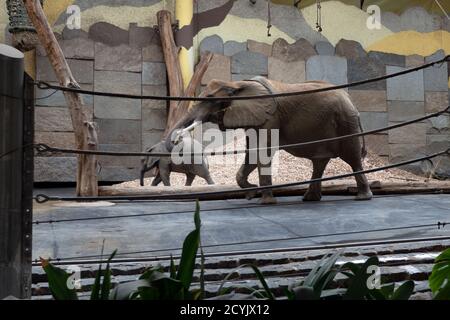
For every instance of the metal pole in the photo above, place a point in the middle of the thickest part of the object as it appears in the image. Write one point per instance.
(15, 204)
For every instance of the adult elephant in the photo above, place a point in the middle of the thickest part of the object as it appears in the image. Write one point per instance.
(299, 118)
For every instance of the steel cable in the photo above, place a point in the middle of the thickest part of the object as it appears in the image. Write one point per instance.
(251, 206)
(437, 225)
(45, 85)
(42, 198)
(40, 147)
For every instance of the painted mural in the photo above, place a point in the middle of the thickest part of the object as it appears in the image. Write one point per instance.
(406, 27)
(117, 49)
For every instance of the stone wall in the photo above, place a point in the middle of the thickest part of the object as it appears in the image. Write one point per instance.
(111, 59)
(380, 104)
(108, 58)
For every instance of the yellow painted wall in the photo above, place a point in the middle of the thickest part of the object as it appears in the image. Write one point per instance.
(341, 19)
(184, 11)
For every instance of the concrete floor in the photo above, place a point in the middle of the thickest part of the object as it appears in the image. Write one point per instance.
(291, 218)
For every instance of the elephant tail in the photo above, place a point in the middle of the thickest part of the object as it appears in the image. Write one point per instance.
(364, 149)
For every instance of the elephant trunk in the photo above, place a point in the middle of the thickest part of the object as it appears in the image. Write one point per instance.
(144, 169)
(142, 176)
(187, 119)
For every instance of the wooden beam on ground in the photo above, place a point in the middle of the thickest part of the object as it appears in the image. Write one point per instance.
(338, 188)
(85, 132)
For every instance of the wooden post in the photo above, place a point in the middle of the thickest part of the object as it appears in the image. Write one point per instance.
(85, 133)
(16, 175)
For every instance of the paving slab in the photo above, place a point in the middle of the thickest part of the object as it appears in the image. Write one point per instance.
(223, 222)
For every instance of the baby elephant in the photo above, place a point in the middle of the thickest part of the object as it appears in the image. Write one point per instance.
(165, 165)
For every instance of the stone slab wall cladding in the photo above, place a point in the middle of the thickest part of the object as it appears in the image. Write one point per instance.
(108, 58)
(111, 59)
(380, 104)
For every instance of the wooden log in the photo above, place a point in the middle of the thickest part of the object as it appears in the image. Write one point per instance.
(175, 78)
(338, 188)
(170, 52)
(195, 81)
(85, 132)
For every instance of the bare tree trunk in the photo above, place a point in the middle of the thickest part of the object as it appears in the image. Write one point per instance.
(196, 79)
(85, 133)
(170, 50)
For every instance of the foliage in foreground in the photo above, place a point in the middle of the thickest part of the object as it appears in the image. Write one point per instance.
(319, 284)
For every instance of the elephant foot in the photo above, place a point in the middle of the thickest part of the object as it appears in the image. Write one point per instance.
(268, 199)
(250, 195)
(361, 196)
(312, 196)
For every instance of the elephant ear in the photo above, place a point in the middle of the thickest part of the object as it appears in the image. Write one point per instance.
(249, 113)
(157, 148)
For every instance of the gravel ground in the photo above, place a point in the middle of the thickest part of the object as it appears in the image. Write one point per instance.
(285, 168)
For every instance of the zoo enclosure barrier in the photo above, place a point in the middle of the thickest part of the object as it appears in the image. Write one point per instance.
(46, 148)
(192, 196)
(27, 147)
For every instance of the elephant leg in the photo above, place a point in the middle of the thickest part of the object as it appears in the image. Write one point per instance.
(203, 172)
(189, 179)
(362, 183)
(208, 178)
(314, 192)
(165, 179)
(265, 172)
(244, 171)
(164, 171)
(157, 180)
(265, 179)
(242, 179)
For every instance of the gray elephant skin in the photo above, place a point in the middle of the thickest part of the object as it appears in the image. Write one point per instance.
(164, 165)
(299, 118)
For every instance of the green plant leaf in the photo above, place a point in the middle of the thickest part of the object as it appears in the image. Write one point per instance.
(148, 274)
(443, 293)
(187, 261)
(106, 285)
(128, 290)
(202, 272)
(148, 293)
(258, 274)
(335, 294)
(189, 253)
(387, 290)
(441, 272)
(197, 220)
(304, 293)
(168, 288)
(322, 274)
(261, 279)
(173, 268)
(357, 288)
(95, 292)
(404, 292)
(57, 281)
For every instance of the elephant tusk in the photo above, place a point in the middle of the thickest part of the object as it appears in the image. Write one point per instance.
(180, 133)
